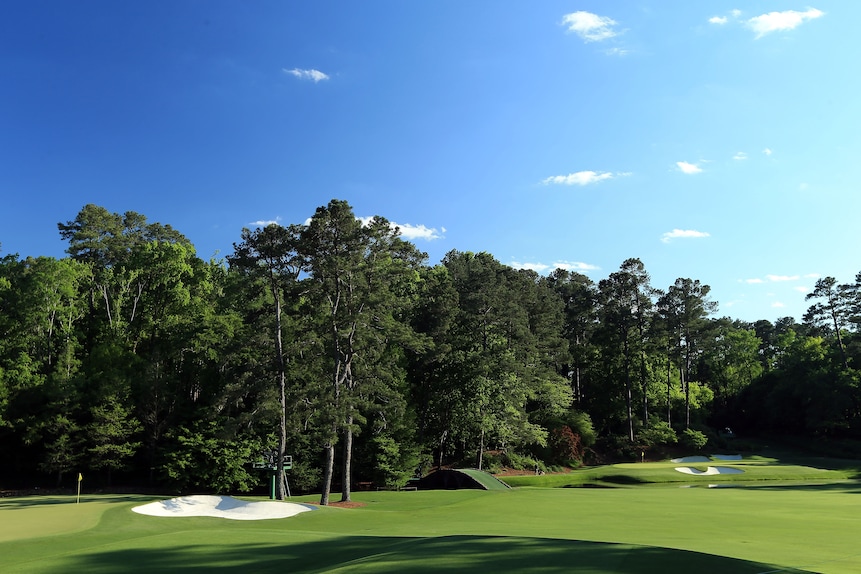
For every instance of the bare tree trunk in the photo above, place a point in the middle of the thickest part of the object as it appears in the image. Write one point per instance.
(348, 457)
(481, 449)
(282, 430)
(669, 389)
(628, 397)
(686, 386)
(329, 451)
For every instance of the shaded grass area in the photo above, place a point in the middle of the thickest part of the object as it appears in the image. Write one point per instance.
(395, 555)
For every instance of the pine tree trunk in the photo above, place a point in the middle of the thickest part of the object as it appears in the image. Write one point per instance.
(481, 449)
(329, 452)
(348, 458)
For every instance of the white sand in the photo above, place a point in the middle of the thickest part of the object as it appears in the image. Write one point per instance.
(691, 459)
(221, 507)
(709, 470)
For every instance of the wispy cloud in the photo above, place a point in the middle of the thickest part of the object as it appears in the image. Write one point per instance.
(579, 178)
(688, 168)
(266, 222)
(782, 279)
(617, 52)
(566, 265)
(739, 156)
(719, 20)
(313, 75)
(801, 289)
(777, 305)
(682, 233)
(767, 151)
(590, 27)
(778, 21)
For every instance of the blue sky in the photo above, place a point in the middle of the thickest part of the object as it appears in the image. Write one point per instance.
(716, 141)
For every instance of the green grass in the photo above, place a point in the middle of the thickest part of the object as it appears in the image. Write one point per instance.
(766, 527)
(757, 469)
(488, 481)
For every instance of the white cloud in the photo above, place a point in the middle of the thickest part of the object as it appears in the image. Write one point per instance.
(754, 280)
(575, 266)
(411, 232)
(801, 289)
(735, 13)
(591, 27)
(720, 20)
(537, 267)
(778, 304)
(767, 151)
(682, 233)
(579, 178)
(407, 230)
(780, 278)
(266, 222)
(689, 168)
(812, 276)
(617, 52)
(739, 156)
(314, 75)
(566, 265)
(786, 20)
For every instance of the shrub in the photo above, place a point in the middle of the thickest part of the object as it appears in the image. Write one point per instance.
(694, 439)
(580, 424)
(658, 433)
(521, 462)
(393, 464)
(566, 446)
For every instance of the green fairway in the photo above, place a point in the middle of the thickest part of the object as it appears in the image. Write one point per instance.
(660, 529)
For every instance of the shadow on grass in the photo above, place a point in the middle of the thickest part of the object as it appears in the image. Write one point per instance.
(844, 487)
(415, 555)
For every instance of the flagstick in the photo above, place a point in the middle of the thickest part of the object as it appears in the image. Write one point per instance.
(80, 478)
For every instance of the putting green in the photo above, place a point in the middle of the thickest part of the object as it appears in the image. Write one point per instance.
(657, 529)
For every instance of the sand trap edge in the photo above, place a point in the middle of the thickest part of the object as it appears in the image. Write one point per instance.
(221, 507)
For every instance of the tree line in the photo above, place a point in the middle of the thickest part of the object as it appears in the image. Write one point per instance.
(134, 360)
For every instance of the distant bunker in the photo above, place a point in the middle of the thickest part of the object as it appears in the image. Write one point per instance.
(461, 478)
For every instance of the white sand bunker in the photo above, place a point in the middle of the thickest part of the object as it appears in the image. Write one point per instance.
(221, 507)
(691, 459)
(709, 470)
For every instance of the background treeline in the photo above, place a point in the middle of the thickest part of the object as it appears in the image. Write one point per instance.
(134, 361)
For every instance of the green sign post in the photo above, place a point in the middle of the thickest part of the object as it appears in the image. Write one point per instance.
(270, 463)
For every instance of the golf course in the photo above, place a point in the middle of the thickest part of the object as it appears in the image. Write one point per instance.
(770, 516)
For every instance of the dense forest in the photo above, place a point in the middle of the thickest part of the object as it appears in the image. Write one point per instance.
(136, 362)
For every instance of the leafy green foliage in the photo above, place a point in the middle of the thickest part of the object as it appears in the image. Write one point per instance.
(694, 439)
(659, 433)
(205, 457)
(334, 337)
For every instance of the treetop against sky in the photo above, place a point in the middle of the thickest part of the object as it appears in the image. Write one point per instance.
(714, 141)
